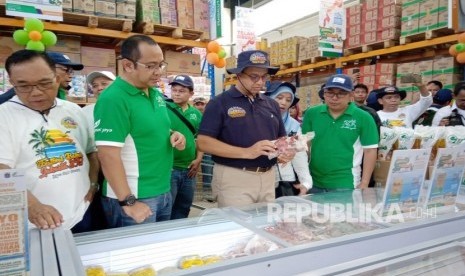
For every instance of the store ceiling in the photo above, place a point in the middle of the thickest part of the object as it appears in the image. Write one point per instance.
(231, 4)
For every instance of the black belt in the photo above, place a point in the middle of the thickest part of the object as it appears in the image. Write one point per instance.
(256, 169)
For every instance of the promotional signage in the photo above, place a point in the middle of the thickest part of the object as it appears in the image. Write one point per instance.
(245, 34)
(332, 28)
(215, 18)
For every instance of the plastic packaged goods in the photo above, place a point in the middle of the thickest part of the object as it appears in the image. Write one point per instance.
(292, 143)
(117, 274)
(146, 270)
(95, 270)
(211, 259)
(387, 139)
(190, 261)
(406, 138)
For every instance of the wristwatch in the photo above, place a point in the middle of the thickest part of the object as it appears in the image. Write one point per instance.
(95, 186)
(128, 201)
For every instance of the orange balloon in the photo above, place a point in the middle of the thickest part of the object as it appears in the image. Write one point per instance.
(220, 63)
(461, 38)
(461, 57)
(213, 47)
(212, 58)
(35, 35)
(453, 51)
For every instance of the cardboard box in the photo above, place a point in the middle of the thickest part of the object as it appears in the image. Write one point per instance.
(388, 22)
(370, 5)
(126, 10)
(443, 13)
(428, 19)
(355, 9)
(368, 70)
(353, 41)
(66, 4)
(424, 67)
(168, 17)
(448, 80)
(391, 10)
(369, 37)
(354, 30)
(182, 63)
(380, 172)
(354, 19)
(386, 68)
(382, 3)
(105, 8)
(98, 57)
(370, 26)
(84, 6)
(405, 68)
(7, 47)
(385, 79)
(370, 15)
(147, 11)
(66, 45)
(389, 34)
(409, 20)
(186, 20)
(368, 79)
(446, 65)
(168, 4)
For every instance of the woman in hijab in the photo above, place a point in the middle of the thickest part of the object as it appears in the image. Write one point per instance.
(284, 94)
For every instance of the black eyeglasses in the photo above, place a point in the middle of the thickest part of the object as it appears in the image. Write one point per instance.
(152, 66)
(68, 70)
(331, 94)
(27, 88)
(255, 78)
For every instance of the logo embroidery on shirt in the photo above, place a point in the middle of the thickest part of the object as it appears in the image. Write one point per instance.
(349, 124)
(69, 123)
(57, 152)
(236, 112)
(193, 117)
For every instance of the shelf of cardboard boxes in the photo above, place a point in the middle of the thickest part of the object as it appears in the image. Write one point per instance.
(87, 21)
(391, 35)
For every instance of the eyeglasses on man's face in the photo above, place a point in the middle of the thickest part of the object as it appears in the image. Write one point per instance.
(152, 66)
(331, 94)
(255, 78)
(27, 88)
(67, 70)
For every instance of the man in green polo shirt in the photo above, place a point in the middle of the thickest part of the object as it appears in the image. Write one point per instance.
(344, 134)
(134, 138)
(186, 119)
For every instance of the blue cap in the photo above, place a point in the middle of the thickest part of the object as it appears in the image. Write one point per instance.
(372, 100)
(63, 59)
(253, 58)
(183, 80)
(443, 96)
(340, 81)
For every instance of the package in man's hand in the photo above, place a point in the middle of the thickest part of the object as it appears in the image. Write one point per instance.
(291, 143)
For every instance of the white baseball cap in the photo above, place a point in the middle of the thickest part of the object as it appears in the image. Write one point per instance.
(95, 74)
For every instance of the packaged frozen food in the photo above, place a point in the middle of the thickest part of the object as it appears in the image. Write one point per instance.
(95, 270)
(146, 270)
(454, 136)
(211, 259)
(190, 261)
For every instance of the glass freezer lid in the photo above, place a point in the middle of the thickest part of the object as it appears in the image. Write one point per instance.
(162, 246)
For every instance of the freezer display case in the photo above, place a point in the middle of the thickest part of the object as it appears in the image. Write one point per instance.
(444, 256)
(240, 241)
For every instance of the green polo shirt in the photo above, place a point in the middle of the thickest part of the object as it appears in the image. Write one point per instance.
(183, 158)
(337, 148)
(61, 94)
(126, 117)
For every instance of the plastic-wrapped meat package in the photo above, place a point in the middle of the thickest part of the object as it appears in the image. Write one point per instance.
(291, 143)
(291, 232)
(254, 245)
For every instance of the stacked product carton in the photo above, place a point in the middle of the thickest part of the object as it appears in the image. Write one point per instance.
(185, 10)
(126, 9)
(202, 16)
(308, 48)
(353, 26)
(285, 51)
(375, 76)
(168, 13)
(148, 11)
(106, 8)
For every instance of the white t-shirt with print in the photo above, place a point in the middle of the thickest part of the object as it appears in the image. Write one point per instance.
(88, 111)
(404, 116)
(52, 150)
(446, 111)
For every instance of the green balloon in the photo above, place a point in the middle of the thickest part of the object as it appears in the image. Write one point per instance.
(35, 45)
(222, 53)
(34, 24)
(21, 37)
(460, 47)
(48, 38)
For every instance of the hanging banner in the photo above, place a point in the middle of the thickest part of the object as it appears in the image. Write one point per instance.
(245, 33)
(41, 9)
(332, 28)
(216, 6)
